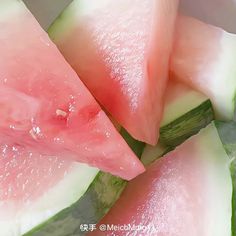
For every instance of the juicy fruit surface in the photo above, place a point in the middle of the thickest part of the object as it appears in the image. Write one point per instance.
(46, 106)
(127, 51)
(174, 195)
(203, 57)
(35, 187)
(25, 175)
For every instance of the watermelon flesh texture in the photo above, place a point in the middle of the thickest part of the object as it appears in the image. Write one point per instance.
(36, 187)
(187, 192)
(177, 95)
(45, 106)
(25, 175)
(203, 57)
(120, 50)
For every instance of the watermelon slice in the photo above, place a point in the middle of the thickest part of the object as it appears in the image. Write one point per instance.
(47, 195)
(187, 192)
(88, 193)
(88, 196)
(35, 188)
(66, 213)
(69, 194)
(203, 57)
(29, 182)
(120, 50)
(45, 106)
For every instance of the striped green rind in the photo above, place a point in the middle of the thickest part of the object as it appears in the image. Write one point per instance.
(186, 125)
(92, 206)
(180, 129)
(135, 145)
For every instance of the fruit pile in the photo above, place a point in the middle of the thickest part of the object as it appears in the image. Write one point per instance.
(119, 120)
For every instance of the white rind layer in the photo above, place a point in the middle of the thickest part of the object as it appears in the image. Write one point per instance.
(9, 8)
(63, 25)
(217, 183)
(185, 100)
(69, 190)
(224, 79)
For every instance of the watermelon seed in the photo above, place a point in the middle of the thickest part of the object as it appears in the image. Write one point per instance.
(32, 133)
(60, 112)
(35, 132)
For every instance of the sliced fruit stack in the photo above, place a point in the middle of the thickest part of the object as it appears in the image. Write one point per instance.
(130, 84)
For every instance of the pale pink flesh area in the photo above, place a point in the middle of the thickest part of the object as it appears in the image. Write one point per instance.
(196, 54)
(62, 117)
(26, 175)
(169, 198)
(121, 53)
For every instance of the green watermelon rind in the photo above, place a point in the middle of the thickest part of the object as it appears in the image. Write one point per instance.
(177, 131)
(187, 125)
(93, 205)
(102, 193)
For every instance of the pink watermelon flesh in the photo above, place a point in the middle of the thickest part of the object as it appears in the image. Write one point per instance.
(45, 106)
(204, 58)
(160, 197)
(173, 197)
(25, 174)
(120, 50)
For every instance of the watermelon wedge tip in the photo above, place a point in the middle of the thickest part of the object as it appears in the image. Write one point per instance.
(186, 192)
(45, 105)
(204, 57)
(120, 50)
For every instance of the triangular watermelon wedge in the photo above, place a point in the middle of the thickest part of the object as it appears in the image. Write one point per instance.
(44, 105)
(204, 58)
(186, 192)
(120, 50)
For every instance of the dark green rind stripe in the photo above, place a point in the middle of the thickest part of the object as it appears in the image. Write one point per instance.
(93, 205)
(177, 131)
(187, 125)
(227, 133)
(135, 145)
